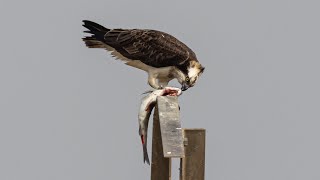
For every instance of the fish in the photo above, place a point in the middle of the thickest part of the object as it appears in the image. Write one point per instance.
(147, 104)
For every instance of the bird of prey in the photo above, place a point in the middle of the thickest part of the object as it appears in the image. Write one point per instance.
(161, 55)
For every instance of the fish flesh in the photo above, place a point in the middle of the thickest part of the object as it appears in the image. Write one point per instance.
(147, 104)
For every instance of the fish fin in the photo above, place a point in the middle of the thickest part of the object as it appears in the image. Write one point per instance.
(148, 92)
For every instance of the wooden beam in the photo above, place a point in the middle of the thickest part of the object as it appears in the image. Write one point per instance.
(192, 166)
(170, 126)
(160, 166)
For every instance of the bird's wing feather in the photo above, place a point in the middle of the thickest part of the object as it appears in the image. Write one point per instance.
(154, 48)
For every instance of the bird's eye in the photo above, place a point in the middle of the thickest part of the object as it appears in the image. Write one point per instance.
(187, 79)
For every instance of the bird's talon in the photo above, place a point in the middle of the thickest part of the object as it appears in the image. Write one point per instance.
(161, 87)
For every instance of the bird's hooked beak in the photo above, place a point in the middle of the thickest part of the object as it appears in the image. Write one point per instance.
(185, 86)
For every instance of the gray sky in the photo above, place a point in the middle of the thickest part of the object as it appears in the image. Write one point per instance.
(70, 113)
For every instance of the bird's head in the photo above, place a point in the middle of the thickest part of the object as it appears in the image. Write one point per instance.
(191, 75)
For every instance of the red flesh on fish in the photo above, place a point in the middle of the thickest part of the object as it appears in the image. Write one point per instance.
(142, 139)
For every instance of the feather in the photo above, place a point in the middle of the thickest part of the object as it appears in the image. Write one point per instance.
(154, 48)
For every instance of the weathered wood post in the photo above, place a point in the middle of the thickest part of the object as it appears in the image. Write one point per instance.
(169, 140)
(192, 166)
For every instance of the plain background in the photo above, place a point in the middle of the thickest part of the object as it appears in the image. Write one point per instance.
(70, 113)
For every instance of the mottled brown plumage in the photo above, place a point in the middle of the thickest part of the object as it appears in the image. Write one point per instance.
(154, 48)
(161, 55)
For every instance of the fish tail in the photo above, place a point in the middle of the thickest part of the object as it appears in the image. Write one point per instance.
(145, 154)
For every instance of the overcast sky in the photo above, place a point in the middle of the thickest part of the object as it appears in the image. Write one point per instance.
(70, 113)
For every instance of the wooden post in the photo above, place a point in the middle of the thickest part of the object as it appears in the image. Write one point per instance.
(170, 141)
(192, 166)
(170, 127)
(167, 138)
(160, 166)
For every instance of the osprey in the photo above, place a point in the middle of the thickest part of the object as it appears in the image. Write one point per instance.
(161, 55)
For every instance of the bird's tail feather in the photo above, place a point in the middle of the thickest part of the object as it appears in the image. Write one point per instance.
(97, 31)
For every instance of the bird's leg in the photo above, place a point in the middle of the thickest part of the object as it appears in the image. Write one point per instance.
(163, 82)
(153, 83)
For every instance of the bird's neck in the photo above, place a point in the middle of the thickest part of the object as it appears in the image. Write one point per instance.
(178, 73)
(184, 67)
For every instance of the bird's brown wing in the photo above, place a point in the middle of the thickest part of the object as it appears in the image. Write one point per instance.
(154, 48)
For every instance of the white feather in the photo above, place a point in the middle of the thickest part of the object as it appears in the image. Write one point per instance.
(193, 72)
